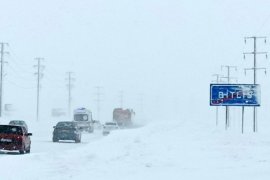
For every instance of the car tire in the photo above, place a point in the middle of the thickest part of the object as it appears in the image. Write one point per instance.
(22, 151)
(28, 150)
(55, 139)
(78, 139)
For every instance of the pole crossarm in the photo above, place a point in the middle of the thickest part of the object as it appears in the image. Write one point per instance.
(218, 78)
(231, 78)
(252, 69)
(226, 66)
(257, 37)
(255, 53)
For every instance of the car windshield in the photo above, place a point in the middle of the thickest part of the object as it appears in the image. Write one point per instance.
(11, 130)
(81, 117)
(65, 124)
(17, 122)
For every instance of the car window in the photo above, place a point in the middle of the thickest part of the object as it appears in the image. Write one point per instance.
(11, 130)
(81, 117)
(110, 123)
(65, 124)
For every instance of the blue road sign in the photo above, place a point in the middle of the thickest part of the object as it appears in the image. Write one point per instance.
(235, 95)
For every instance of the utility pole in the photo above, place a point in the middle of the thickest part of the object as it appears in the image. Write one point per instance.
(2, 53)
(218, 80)
(70, 80)
(255, 69)
(39, 74)
(228, 77)
(98, 100)
(121, 98)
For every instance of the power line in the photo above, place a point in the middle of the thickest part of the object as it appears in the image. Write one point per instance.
(16, 73)
(19, 86)
(18, 66)
(263, 24)
(255, 69)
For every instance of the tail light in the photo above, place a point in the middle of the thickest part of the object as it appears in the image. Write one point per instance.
(19, 139)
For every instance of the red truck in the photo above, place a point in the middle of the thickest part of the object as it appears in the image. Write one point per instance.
(123, 117)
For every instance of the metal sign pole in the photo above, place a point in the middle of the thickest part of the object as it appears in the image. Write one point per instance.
(235, 95)
(226, 120)
(217, 116)
(243, 113)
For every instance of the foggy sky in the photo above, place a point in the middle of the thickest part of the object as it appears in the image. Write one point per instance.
(165, 50)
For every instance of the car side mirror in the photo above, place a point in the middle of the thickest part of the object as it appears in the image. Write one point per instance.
(29, 134)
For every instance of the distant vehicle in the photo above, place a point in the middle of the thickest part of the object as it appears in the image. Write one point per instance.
(67, 130)
(97, 124)
(108, 127)
(18, 123)
(15, 138)
(123, 117)
(84, 119)
(57, 112)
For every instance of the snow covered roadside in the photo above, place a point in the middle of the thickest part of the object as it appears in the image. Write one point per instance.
(159, 150)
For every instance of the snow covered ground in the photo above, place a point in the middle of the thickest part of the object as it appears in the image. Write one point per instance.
(158, 150)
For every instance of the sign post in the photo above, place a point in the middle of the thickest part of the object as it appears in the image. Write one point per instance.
(243, 113)
(235, 95)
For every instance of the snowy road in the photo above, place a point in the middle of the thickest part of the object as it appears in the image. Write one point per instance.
(171, 150)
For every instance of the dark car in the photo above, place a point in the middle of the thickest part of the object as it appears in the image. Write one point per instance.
(67, 130)
(15, 138)
(18, 123)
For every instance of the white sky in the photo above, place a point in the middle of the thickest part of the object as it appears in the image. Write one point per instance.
(164, 49)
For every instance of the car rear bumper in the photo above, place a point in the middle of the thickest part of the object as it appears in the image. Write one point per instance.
(11, 147)
(65, 136)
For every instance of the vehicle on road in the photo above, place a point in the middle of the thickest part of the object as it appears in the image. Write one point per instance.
(97, 124)
(108, 127)
(123, 117)
(15, 138)
(18, 123)
(84, 119)
(67, 130)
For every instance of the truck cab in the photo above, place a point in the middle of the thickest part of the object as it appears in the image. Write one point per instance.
(84, 119)
(123, 117)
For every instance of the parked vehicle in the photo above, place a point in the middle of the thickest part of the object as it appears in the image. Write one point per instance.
(108, 127)
(15, 138)
(123, 117)
(84, 119)
(67, 130)
(19, 123)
